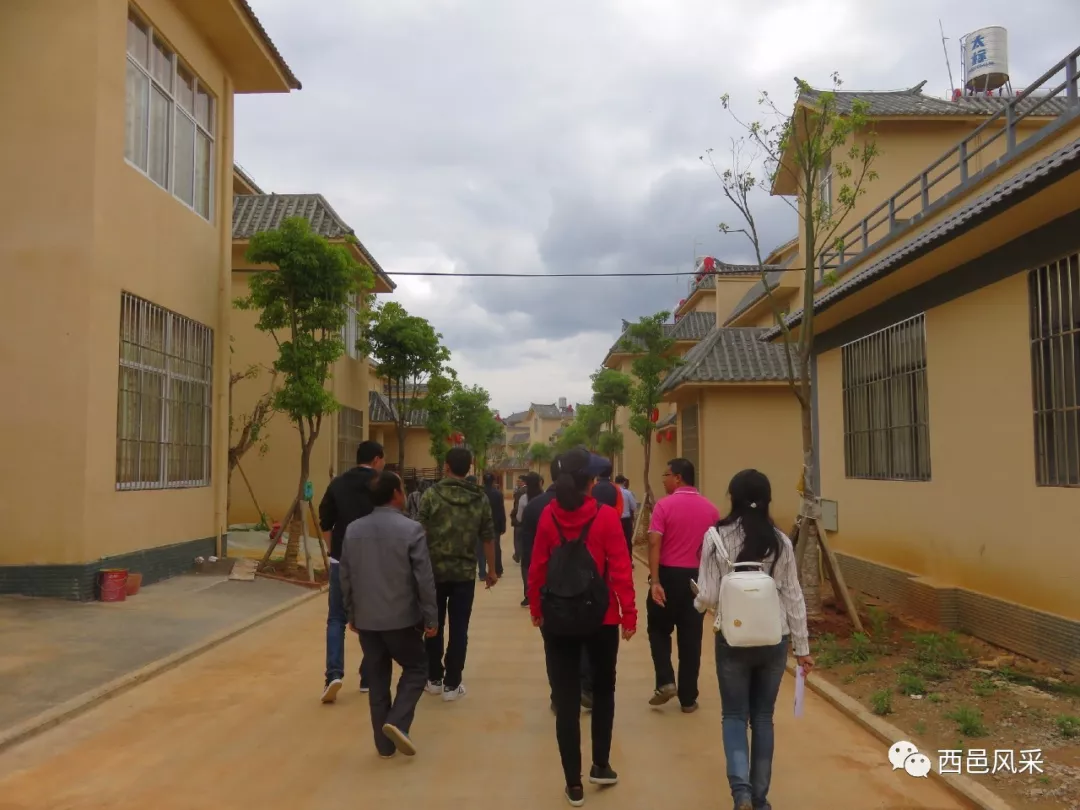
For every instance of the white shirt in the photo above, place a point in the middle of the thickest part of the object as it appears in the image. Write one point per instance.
(721, 547)
(524, 499)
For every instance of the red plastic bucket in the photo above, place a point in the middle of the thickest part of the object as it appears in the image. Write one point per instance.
(112, 584)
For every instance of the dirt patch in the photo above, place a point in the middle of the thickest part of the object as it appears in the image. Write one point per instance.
(950, 692)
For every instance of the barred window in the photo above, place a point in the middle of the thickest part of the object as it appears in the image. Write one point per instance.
(886, 409)
(350, 434)
(689, 417)
(163, 407)
(1054, 300)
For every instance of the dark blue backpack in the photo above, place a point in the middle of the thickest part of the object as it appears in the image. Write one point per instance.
(575, 598)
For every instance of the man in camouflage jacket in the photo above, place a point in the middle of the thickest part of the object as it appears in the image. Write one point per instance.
(455, 514)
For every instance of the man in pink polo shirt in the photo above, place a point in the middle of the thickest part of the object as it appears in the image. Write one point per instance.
(676, 532)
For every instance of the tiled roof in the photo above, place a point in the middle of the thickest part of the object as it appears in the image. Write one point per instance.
(667, 421)
(731, 354)
(255, 213)
(1061, 162)
(294, 82)
(691, 326)
(516, 418)
(912, 102)
(518, 438)
(546, 411)
(380, 410)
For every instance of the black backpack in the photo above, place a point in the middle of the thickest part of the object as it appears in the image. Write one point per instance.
(574, 599)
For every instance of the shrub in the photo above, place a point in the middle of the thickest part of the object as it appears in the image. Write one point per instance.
(911, 684)
(969, 721)
(1068, 726)
(881, 702)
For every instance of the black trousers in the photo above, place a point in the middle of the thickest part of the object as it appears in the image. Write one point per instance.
(628, 531)
(564, 667)
(455, 600)
(525, 552)
(381, 649)
(681, 617)
(481, 558)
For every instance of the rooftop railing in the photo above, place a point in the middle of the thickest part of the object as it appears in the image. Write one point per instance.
(917, 198)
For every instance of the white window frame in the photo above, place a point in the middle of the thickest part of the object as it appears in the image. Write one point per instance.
(825, 189)
(350, 332)
(174, 368)
(176, 109)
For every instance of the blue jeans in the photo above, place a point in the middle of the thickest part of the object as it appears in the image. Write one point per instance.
(749, 683)
(335, 631)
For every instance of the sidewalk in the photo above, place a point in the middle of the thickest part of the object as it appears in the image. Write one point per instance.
(53, 650)
(242, 727)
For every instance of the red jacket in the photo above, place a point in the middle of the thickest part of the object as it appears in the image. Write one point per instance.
(607, 544)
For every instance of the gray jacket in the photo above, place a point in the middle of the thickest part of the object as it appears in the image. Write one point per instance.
(386, 578)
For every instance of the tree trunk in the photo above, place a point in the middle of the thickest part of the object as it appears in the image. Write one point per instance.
(648, 456)
(809, 547)
(401, 450)
(292, 548)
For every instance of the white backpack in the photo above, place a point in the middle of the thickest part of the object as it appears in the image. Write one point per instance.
(749, 609)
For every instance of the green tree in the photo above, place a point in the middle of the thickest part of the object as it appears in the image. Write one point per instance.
(540, 454)
(652, 362)
(302, 303)
(820, 141)
(611, 390)
(472, 416)
(408, 353)
(574, 435)
(437, 408)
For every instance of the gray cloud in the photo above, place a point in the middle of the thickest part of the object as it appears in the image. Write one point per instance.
(485, 136)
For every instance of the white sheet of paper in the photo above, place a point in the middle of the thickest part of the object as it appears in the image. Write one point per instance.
(800, 691)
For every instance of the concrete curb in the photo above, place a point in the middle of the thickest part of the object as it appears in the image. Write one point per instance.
(965, 788)
(87, 700)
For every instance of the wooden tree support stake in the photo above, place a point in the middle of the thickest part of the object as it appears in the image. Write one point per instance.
(251, 492)
(304, 540)
(837, 577)
(274, 540)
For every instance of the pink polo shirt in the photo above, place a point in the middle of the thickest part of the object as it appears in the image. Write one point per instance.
(682, 518)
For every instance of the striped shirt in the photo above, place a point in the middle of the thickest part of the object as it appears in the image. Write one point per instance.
(721, 548)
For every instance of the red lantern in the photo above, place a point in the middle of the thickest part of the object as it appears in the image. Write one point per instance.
(655, 415)
(709, 264)
(671, 434)
(659, 438)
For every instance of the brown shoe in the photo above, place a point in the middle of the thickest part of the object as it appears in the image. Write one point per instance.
(663, 694)
(693, 707)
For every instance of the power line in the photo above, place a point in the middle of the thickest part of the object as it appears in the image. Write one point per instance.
(538, 275)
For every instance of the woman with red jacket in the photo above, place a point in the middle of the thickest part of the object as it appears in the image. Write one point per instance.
(573, 511)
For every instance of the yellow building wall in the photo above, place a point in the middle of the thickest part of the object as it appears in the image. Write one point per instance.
(755, 427)
(83, 227)
(981, 523)
(417, 445)
(729, 292)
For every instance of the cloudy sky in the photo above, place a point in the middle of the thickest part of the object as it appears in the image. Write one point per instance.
(563, 137)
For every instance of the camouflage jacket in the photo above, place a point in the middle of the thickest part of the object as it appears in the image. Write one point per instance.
(456, 515)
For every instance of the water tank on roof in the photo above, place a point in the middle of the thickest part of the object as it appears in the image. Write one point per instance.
(986, 59)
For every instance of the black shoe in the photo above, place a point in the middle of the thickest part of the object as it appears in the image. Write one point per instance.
(586, 701)
(575, 795)
(603, 776)
(517, 559)
(525, 602)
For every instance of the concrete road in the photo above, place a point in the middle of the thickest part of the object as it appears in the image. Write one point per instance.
(242, 727)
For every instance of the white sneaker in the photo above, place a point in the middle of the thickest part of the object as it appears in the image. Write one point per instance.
(329, 694)
(434, 688)
(454, 694)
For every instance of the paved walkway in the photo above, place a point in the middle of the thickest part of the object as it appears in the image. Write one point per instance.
(241, 727)
(52, 650)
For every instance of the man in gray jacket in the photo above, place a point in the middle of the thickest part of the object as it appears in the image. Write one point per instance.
(389, 594)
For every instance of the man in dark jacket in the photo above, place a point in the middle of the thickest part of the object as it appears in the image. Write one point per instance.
(389, 596)
(498, 515)
(455, 514)
(348, 498)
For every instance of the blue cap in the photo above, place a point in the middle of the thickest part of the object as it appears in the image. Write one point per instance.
(597, 465)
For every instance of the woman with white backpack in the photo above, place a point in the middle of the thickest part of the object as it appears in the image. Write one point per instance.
(748, 579)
